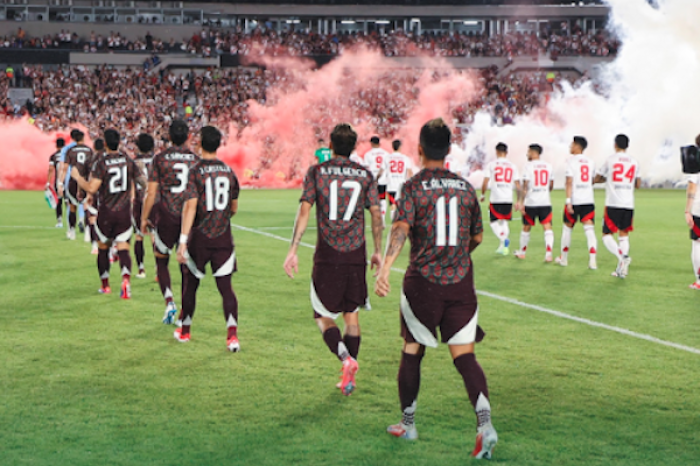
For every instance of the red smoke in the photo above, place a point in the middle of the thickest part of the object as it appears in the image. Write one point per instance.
(375, 94)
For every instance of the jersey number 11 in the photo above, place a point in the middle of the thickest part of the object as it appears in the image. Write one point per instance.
(443, 229)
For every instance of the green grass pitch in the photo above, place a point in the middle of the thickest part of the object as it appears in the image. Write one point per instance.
(91, 380)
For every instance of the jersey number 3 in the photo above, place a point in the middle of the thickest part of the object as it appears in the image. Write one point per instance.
(355, 187)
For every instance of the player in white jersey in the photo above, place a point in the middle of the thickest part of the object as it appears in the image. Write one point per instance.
(692, 218)
(374, 162)
(398, 169)
(500, 176)
(620, 173)
(534, 201)
(580, 203)
(356, 158)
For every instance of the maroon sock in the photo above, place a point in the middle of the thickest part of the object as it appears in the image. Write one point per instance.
(71, 219)
(230, 302)
(139, 253)
(164, 278)
(190, 283)
(473, 375)
(409, 385)
(231, 332)
(352, 343)
(125, 262)
(103, 265)
(334, 341)
(59, 210)
(93, 233)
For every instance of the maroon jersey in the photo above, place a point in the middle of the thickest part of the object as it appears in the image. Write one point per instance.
(146, 160)
(55, 160)
(341, 190)
(215, 187)
(443, 213)
(171, 170)
(79, 156)
(117, 172)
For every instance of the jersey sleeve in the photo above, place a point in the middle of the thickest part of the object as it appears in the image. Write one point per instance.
(372, 194)
(525, 176)
(603, 170)
(98, 170)
(516, 173)
(309, 187)
(191, 191)
(477, 225)
(235, 187)
(70, 159)
(153, 173)
(405, 207)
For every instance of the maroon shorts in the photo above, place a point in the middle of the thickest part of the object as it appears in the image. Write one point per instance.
(695, 231)
(114, 225)
(72, 192)
(337, 289)
(534, 214)
(616, 219)
(222, 260)
(500, 212)
(167, 231)
(427, 306)
(381, 189)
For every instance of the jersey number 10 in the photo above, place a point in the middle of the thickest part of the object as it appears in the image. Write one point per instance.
(446, 233)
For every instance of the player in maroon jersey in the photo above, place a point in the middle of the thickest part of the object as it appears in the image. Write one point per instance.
(145, 145)
(113, 177)
(440, 213)
(211, 200)
(341, 190)
(91, 200)
(78, 157)
(167, 181)
(52, 179)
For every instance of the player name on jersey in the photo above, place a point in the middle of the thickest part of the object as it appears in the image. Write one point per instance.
(444, 183)
(117, 161)
(343, 171)
(179, 156)
(203, 169)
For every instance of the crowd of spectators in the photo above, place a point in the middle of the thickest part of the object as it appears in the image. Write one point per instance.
(303, 43)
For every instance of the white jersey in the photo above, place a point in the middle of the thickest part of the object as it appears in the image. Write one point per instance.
(695, 210)
(397, 166)
(374, 161)
(451, 164)
(620, 172)
(502, 175)
(538, 175)
(581, 170)
(356, 158)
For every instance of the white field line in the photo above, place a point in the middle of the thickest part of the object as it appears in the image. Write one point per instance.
(29, 227)
(533, 307)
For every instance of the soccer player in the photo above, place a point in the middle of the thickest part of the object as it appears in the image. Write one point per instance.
(399, 168)
(78, 157)
(323, 153)
(144, 157)
(53, 179)
(167, 180)
(113, 177)
(501, 176)
(620, 173)
(341, 190)
(91, 202)
(534, 201)
(440, 213)
(580, 203)
(211, 199)
(375, 158)
(692, 218)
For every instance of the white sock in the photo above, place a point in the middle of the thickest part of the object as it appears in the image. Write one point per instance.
(695, 257)
(506, 231)
(625, 245)
(382, 207)
(524, 240)
(497, 230)
(611, 245)
(549, 241)
(565, 241)
(589, 230)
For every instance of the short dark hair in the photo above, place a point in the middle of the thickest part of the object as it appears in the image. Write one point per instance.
(536, 147)
(435, 139)
(145, 143)
(502, 147)
(320, 140)
(179, 132)
(396, 144)
(112, 139)
(210, 138)
(60, 142)
(344, 139)
(581, 141)
(622, 141)
(374, 140)
(76, 135)
(99, 144)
